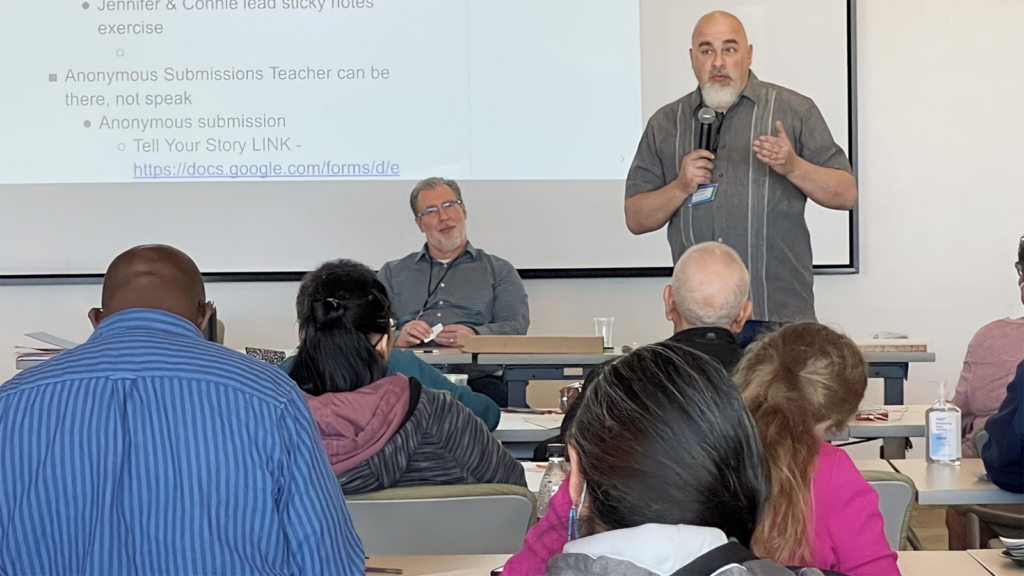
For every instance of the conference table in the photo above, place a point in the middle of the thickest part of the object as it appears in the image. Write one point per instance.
(995, 563)
(519, 369)
(904, 422)
(535, 470)
(445, 359)
(520, 432)
(939, 562)
(442, 358)
(910, 562)
(945, 485)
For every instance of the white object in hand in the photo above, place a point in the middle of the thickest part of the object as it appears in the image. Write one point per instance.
(434, 332)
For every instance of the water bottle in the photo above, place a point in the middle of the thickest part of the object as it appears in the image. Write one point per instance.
(556, 472)
(942, 431)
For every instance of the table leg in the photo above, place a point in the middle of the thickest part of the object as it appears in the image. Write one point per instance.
(517, 378)
(894, 448)
(894, 390)
(523, 450)
(893, 375)
(517, 393)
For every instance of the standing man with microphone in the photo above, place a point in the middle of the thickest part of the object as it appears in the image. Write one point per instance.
(735, 161)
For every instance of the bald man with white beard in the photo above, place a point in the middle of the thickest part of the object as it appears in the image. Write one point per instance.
(707, 301)
(770, 151)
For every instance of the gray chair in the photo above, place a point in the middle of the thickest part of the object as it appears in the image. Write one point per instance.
(896, 495)
(437, 520)
(978, 439)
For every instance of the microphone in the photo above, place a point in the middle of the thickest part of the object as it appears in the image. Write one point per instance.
(707, 117)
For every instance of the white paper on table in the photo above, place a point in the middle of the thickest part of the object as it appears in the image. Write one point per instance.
(464, 572)
(434, 332)
(52, 340)
(546, 421)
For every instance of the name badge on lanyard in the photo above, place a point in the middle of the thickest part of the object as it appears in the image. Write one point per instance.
(704, 194)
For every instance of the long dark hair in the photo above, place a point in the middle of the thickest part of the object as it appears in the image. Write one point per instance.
(662, 436)
(340, 306)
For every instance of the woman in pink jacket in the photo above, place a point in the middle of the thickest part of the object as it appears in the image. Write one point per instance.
(799, 383)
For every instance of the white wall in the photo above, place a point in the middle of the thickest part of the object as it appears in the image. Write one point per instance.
(941, 208)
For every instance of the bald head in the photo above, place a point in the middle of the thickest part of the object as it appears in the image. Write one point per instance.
(709, 287)
(721, 59)
(156, 277)
(719, 23)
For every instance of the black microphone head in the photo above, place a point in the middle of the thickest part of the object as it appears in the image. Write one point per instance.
(706, 115)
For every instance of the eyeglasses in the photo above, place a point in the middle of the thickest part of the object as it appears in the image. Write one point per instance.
(392, 324)
(433, 210)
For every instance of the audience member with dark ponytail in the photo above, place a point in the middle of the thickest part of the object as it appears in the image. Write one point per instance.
(402, 361)
(382, 431)
(799, 383)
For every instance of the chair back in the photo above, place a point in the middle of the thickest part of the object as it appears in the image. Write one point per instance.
(978, 439)
(896, 495)
(441, 520)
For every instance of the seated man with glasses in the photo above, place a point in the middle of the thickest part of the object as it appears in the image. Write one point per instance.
(450, 281)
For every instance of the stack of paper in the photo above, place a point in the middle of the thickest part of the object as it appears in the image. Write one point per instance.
(893, 345)
(30, 353)
(27, 353)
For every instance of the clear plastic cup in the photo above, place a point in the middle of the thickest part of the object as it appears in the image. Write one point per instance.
(458, 379)
(603, 327)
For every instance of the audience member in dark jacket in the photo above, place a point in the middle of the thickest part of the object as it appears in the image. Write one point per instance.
(1003, 453)
(382, 431)
(708, 302)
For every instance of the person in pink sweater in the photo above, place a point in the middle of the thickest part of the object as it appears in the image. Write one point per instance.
(800, 383)
(845, 532)
(991, 361)
(545, 539)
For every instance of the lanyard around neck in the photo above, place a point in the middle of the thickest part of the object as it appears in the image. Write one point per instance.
(430, 281)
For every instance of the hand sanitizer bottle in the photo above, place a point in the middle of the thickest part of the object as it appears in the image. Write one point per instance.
(942, 431)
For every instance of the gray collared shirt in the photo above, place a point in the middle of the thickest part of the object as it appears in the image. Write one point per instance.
(755, 210)
(475, 289)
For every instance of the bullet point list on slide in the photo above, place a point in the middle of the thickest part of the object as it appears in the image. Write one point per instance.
(53, 77)
(85, 5)
(120, 52)
(120, 147)
(86, 123)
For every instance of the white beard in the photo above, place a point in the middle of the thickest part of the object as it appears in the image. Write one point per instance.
(719, 97)
(448, 244)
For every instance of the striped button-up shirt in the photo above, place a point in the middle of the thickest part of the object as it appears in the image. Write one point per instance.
(148, 450)
(755, 210)
(476, 289)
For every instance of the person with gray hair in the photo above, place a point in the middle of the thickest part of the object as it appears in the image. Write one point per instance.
(450, 282)
(708, 301)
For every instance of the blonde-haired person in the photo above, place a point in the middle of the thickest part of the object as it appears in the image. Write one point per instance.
(799, 383)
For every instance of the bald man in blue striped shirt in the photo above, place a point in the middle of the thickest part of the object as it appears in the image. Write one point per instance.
(148, 450)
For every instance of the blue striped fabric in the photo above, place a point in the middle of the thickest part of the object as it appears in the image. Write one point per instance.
(148, 450)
